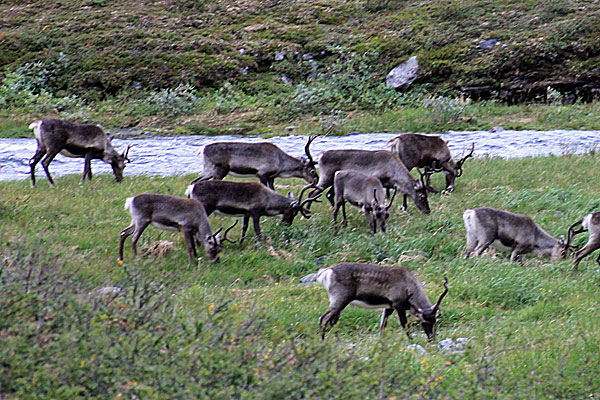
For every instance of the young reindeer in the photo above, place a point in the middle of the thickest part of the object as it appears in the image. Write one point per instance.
(373, 286)
(74, 140)
(591, 223)
(265, 160)
(508, 231)
(362, 191)
(381, 164)
(431, 153)
(248, 199)
(172, 213)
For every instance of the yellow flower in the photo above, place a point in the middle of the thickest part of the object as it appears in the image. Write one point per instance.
(211, 307)
(120, 262)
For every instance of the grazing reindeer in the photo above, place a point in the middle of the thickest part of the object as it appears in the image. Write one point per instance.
(74, 140)
(363, 191)
(431, 153)
(507, 231)
(264, 160)
(381, 164)
(171, 213)
(591, 223)
(374, 286)
(248, 199)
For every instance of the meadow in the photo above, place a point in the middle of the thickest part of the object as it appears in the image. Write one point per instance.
(245, 327)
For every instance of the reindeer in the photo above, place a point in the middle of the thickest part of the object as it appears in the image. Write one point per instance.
(363, 191)
(74, 140)
(172, 213)
(264, 160)
(373, 286)
(508, 231)
(381, 164)
(591, 223)
(431, 153)
(248, 199)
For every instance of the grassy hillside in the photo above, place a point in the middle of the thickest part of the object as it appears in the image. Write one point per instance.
(245, 328)
(245, 66)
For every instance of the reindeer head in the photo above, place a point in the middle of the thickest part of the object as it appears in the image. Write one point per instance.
(297, 206)
(381, 211)
(420, 196)
(117, 161)
(213, 244)
(560, 249)
(428, 316)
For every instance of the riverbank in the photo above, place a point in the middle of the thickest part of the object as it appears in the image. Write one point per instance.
(245, 328)
(265, 119)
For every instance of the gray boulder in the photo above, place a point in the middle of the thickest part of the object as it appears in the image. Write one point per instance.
(404, 74)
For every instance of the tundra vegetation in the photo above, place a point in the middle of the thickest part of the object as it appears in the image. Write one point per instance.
(245, 328)
(260, 66)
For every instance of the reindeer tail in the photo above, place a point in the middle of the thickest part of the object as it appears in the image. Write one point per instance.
(128, 203)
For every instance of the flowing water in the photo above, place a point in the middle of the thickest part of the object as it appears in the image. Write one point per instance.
(163, 156)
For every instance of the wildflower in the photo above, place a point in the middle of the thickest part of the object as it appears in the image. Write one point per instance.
(120, 262)
(211, 307)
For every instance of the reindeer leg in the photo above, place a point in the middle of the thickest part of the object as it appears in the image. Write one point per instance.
(589, 247)
(265, 180)
(39, 154)
(87, 168)
(244, 226)
(125, 233)
(330, 195)
(345, 217)
(471, 244)
(139, 229)
(403, 321)
(384, 317)
(46, 162)
(370, 220)
(256, 225)
(515, 256)
(404, 200)
(336, 209)
(191, 247)
(332, 315)
(482, 246)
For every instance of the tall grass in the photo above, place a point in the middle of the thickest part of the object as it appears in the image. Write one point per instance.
(245, 328)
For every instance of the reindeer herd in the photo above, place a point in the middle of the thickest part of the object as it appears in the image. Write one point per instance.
(357, 177)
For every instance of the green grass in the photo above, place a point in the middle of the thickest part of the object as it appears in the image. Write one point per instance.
(245, 328)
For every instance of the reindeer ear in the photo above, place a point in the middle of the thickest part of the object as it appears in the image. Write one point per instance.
(418, 185)
(561, 239)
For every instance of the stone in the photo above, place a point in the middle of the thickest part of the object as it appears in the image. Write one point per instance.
(451, 346)
(402, 76)
(417, 349)
(488, 44)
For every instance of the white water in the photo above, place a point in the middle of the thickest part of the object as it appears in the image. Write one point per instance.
(155, 155)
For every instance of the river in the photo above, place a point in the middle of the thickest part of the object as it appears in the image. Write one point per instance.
(164, 156)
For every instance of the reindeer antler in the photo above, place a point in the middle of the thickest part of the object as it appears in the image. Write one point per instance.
(311, 139)
(227, 230)
(387, 206)
(435, 308)
(460, 162)
(126, 152)
(572, 232)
